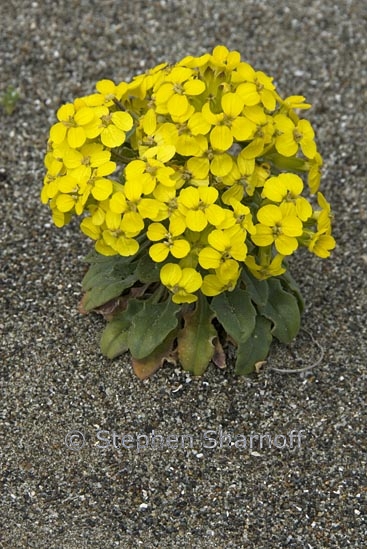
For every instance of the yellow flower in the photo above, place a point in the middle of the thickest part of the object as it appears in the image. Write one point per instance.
(292, 135)
(246, 181)
(113, 128)
(55, 169)
(74, 125)
(288, 187)
(109, 91)
(324, 216)
(223, 245)
(228, 124)
(217, 162)
(119, 235)
(254, 87)
(204, 153)
(195, 62)
(261, 272)
(141, 83)
(242, 216)
(69, 197)
(133, 206)
(82, 161)
(159, 140)
(181, 282)
(197, 205)
(294, 102)
(223, 59)
(189, 144)
(314, 174)
(84, 177)
(171, 96)
(178, 247)
(321, 244)
(167, 201)
(59, 218)
(224, 279)
(278, 227)
(151, 172)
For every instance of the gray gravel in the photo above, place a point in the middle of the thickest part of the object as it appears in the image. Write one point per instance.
(54, 378)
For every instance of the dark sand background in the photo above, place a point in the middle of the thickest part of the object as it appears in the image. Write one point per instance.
(53, 377)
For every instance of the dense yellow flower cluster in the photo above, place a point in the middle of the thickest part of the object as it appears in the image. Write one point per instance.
(197, 159)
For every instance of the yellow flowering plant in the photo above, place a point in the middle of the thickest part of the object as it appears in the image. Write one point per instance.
(195, 182)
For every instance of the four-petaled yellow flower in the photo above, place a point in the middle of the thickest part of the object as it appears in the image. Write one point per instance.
(198, 208)
(291, 136)
(279, 226)
(172, 95)
(113, 127)
(262, 272)
(287, 187)
(254, 87)
(223, 245)
(224, 279)
(75, 125)
(172, 243)
(229, 124)
(321, 244)
(183, 283)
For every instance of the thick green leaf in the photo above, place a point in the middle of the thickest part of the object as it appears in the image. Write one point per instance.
(145, 367)
(114, 339)
(147, 270)
(258, 290)
(99, 295)
(236, 313)
(256, 347)
(195, 347)
(288, 163)
(95, 276)
(283, 310)
(100, 275)
(150, 326)
(115, 267)
(289, 283)
(127, 152)
(114, 336)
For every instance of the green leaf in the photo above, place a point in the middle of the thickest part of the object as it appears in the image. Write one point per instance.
(289, 283)
(106, 279)
(195, 347)
(114, 336)
(99, 276)
(127, 152)
(255, 348)
(115, 268)
(257, 289)
(114, 339)
(288, 163)
(150, 326)
(99, 295)
(283, 310)
(145, 367)
(236, 313)
(147, 270)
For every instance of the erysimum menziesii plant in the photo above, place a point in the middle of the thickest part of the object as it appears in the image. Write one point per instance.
(195, 182)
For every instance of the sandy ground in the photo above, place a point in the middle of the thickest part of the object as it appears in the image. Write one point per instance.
(53, 377)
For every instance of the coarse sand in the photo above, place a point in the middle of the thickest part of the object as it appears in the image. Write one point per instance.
(191, 493)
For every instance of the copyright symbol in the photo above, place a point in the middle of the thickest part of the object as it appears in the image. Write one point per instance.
(75, 440)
